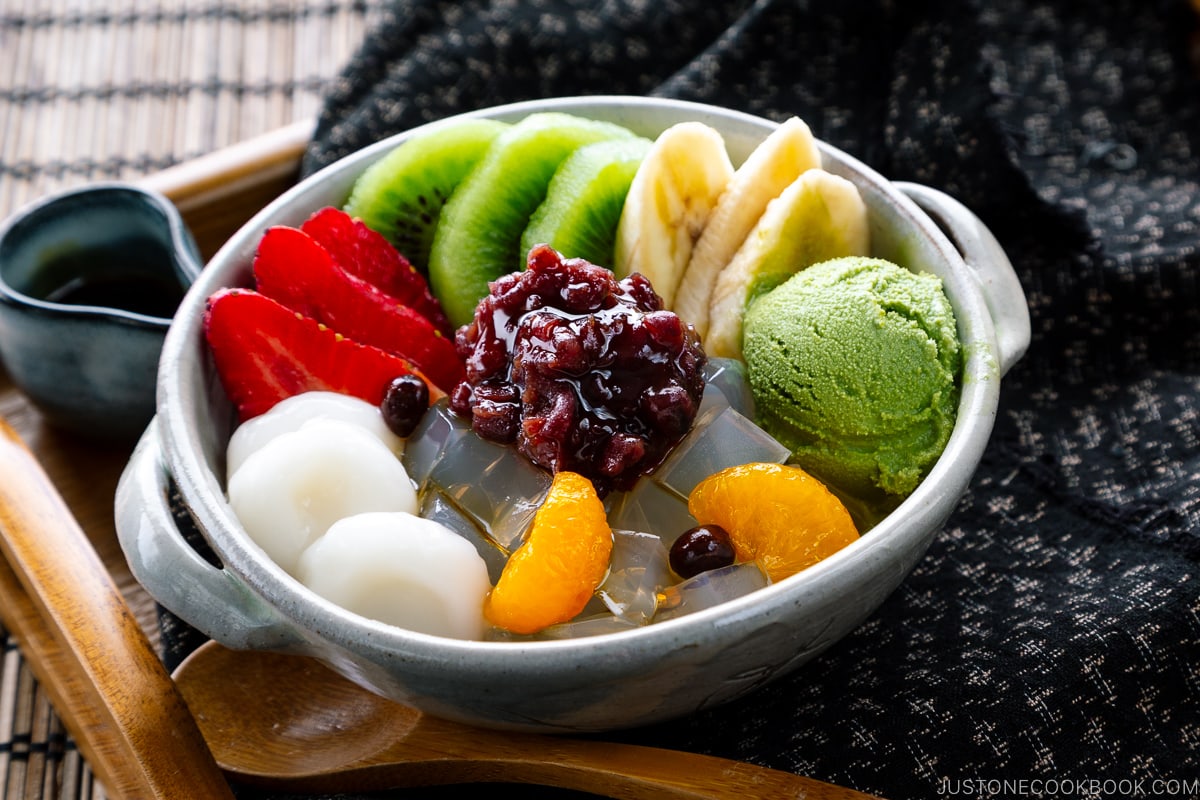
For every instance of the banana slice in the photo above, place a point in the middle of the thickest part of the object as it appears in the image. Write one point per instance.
(819, 217)
(670, 200)
(782, 157)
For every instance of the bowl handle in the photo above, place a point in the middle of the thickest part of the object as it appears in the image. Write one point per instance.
(1002, 290)
(209, 598)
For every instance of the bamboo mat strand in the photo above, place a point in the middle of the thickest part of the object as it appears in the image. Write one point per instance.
(116, 90)
(119, 90)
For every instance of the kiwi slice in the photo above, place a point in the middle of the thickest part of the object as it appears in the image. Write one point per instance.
(401, 195)
(583, 204)
(478, 237)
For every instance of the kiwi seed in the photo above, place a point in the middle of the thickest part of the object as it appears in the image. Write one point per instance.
(401, 195)
(478, 237)
(583, 204)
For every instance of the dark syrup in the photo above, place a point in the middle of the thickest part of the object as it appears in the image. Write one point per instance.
(132, 275)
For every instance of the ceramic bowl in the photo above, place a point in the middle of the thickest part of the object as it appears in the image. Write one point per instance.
(89, 281)
(645, 675)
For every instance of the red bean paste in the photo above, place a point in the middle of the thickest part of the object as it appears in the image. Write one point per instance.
(581, 371)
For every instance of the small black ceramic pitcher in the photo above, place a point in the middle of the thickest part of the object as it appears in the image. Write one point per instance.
(89, 281)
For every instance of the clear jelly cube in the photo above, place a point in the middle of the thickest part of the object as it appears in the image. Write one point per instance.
(493, 484)
(587, 626)
(638, 569)
(729, 376)
(650, 508)
(709, 589)
(712, 402)
(725, 440)
(440, 508)
(434, 434)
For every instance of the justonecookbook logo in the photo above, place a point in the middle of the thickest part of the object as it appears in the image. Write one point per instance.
(1083, 788)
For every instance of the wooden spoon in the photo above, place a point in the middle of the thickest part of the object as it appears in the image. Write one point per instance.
(87, 649)
(291, 723)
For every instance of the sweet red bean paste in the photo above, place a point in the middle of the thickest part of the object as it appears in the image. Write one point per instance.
(582, 371)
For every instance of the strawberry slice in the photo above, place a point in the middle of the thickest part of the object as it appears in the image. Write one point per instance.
(294, 269)
(368, 255)
(265, 352)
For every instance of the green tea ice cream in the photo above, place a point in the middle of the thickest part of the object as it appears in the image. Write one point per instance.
(854, 364)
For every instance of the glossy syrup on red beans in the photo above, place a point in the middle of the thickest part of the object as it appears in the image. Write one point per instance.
(581, 371)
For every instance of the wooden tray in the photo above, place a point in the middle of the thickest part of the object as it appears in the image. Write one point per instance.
(216, 194)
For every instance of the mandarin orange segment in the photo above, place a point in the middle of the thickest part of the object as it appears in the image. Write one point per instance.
(776, 514)
(565, 556)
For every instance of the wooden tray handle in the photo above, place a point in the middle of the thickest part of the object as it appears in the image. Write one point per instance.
(218, 192)
(87, 649)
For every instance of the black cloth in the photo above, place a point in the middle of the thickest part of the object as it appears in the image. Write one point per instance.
(1052, 632)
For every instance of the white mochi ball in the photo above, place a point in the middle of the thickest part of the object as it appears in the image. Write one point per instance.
(403, 570)
(290, 491)
(294, 412)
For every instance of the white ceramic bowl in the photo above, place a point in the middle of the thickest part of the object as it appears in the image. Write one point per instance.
(646, 675)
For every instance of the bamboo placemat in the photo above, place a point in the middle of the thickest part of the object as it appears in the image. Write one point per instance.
(116, 90)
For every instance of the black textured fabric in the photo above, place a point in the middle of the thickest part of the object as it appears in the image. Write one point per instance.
(1052, 633)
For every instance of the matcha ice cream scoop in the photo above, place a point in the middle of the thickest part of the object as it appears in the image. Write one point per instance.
(854, 364)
